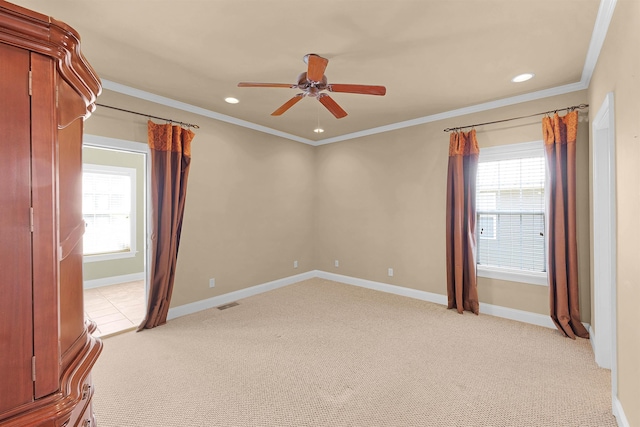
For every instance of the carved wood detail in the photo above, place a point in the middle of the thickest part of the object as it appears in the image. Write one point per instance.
(39, 33)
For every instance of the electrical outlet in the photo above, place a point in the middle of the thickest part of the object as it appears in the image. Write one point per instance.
(390, 272)
(336, 263)
(212, 282)
(295, 264)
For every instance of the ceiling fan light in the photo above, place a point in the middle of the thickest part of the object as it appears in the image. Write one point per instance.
(522, 77)
(318, 130)
(231, 100)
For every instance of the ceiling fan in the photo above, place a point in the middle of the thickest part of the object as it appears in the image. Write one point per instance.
(313, 82)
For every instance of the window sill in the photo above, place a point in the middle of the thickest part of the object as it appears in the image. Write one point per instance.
(109, 257)
(512, 275)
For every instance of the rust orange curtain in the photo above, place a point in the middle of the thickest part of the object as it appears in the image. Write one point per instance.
(462, 289)
(560, 153)
(170, 161)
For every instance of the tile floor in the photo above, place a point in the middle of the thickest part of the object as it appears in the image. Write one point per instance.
(115, 308)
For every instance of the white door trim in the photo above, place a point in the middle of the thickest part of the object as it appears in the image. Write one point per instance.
(604, 239)
(136, 147)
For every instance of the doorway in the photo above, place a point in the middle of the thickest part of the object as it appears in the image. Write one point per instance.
(604, 240)
(115, 177)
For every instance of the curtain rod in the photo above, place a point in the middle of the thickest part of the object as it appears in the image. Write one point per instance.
(569, 109)
(189, 125)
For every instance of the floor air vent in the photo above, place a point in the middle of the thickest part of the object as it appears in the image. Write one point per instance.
(224, 307)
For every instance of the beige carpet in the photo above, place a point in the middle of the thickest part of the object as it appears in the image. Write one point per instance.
(320, 353)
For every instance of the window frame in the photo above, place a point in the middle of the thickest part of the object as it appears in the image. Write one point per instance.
(510, 152)
(131, 173)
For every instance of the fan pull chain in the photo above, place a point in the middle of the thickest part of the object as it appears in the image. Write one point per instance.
(318, 129)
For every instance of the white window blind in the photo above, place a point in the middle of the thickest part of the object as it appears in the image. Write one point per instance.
(108, 209)
(510, 205)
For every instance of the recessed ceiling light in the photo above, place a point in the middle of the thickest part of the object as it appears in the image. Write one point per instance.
(231, 100)
(522, 77)
(318, 130)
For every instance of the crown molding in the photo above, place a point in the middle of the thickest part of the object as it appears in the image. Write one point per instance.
(179, 105)
(532, 96)
(147, 96)
(600, 29)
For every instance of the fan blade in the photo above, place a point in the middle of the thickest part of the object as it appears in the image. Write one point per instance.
(332, 105)
(317, 65)
(363, 89)
(290, 103)
(248, 84)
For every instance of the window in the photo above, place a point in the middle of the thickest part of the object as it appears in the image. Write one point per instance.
(510, 209)
(108, 209)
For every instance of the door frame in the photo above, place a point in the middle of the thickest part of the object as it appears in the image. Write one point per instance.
(140, 148)
(604, 240)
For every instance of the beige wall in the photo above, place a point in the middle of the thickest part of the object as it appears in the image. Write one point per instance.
(257, 202)
(249, 201)
(617, 72)
(118, 267)
(381, 204)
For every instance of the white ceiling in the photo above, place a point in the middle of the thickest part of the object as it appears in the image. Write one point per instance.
(433, 56)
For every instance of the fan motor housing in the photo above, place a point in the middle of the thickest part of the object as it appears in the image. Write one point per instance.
(310, 87)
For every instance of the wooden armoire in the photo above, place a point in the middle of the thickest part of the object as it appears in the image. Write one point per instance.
(47, 90)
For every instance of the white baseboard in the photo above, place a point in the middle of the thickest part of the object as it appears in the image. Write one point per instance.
(618, 412)
(194, 307)
(384, 287)
(519, 315)
(113, 280)
(490, 309)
